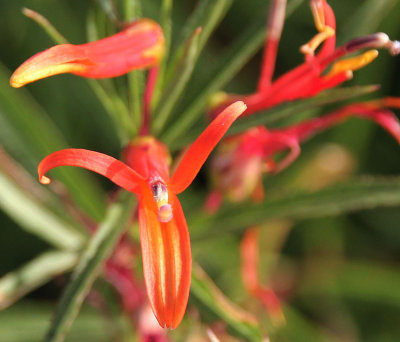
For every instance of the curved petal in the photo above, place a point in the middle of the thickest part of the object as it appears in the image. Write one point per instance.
(166, 261)
(140, 45)
(199, 151)
(115, 170)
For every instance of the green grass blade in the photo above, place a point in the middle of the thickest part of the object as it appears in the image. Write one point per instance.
(366, 19)
(27, 321)
(98, 249)
(46, 25)
(35, 218)
(175, 87)
(243, 323)
(207, 15)
(357, 194)
(28, 134)
(35, 273)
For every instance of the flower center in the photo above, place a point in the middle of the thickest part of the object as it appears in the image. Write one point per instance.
(160, 194)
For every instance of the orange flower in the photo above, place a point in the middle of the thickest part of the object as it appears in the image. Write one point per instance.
(163, 229)
(140, 45)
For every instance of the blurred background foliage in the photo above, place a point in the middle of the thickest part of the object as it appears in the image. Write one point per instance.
(340, 275)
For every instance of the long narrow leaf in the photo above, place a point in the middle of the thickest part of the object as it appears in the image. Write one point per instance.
(176, 86)
(360, 280)
(353, 195)
(28, 134)
(366, 18)
(35, 218)
(206, 15)
(35, 273)
(240, 321)
(88, 268)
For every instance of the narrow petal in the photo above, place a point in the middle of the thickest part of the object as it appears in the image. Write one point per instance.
(140, 45)
(166, 260)
(107, 166)
(198, 152)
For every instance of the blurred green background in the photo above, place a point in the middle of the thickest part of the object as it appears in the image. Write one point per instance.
(340, 274)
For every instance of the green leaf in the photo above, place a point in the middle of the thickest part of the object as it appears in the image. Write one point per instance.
(36, 218)
(28, 134)
(357, 194)
(35, 273)
(27, 321)
(206, 292)
(360, 280)
(108, 8)
(97, 251)
(299, 328)
(207, 15)
(175, 87)
(366, 19)
(46, 25)
(245, 47)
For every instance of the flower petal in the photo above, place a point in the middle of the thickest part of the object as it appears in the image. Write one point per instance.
(166, 260)
(140, 45)
(107, 166)
(198, 152)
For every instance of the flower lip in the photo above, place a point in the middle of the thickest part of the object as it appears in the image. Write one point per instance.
(160, 193)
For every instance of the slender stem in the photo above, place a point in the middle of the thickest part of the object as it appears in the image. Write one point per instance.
(148, 94)
(46, 25)
(35, 273)
(132, 10)
(166, 24)
(276, 18)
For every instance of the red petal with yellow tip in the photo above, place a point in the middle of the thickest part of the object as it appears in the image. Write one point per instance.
(199, 151)
(140, 45)
(166, 260)
(107, 166)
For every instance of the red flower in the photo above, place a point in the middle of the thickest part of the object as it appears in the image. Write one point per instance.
(313, 76)
(140, 45)
(241, 160)
(163, 229)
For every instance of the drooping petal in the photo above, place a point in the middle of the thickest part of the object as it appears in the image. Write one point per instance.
(115, 170)
(198, 152)
(140, 45)
(166, 260)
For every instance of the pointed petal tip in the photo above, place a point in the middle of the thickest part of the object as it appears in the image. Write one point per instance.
(44, 180)
(201, 148)
(238, 107)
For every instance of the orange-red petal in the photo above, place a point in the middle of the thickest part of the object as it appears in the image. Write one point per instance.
(198, 152)
(115, 170)
(166, 260)
(140, 45)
